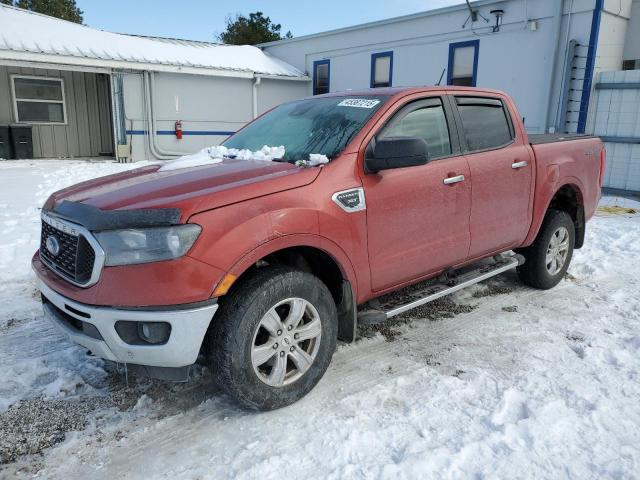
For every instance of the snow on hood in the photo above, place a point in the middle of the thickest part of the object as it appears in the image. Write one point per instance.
(317, 159)
(217, 153)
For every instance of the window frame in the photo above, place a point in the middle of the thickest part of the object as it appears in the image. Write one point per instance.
(15, 99)
(374, 57)
(452, 51)
(453, 99)
(426, 102)
(317, 63)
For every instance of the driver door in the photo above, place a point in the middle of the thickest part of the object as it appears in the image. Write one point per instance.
(418, 217)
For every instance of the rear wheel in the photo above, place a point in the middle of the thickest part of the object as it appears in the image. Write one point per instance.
(548, 258)
(274, 338)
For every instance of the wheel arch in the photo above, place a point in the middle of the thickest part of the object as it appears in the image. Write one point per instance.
(567, 195)
(313, 254)
(568, 198)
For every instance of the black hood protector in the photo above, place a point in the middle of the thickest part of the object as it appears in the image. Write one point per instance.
(95, 219)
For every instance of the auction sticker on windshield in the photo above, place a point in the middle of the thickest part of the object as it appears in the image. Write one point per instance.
(358, 103)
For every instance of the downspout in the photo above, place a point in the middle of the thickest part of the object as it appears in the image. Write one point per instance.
(552, 75)
(256, 81)
(156, 151)
(587, 83)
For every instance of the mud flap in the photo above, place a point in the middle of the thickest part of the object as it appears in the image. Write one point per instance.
(347, 314)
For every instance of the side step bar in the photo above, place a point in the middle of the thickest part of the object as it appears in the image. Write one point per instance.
(502, 264)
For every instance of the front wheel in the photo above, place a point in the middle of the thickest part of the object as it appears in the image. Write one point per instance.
(274, 338)
(548, 258)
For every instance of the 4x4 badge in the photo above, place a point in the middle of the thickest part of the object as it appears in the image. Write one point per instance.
(351, 200)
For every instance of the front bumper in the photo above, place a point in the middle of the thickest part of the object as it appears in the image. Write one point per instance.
(188, 328)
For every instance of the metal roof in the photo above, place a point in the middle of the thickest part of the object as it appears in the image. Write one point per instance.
(29, 36)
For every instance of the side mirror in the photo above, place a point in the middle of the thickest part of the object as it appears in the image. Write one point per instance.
(396, 152)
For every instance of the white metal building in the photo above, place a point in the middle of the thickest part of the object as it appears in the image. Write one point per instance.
(92, 93)
(519, 46)
(547, 54)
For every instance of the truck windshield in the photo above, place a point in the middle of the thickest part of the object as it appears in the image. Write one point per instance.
(313, 126)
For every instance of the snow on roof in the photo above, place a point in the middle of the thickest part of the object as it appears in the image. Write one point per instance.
(25, 33)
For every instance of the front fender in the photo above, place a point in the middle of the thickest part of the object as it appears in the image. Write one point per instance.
(236, 236)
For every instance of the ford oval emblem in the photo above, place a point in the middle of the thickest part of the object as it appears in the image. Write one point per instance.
(53, 245)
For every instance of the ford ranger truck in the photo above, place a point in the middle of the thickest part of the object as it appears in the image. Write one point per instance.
(260, 266)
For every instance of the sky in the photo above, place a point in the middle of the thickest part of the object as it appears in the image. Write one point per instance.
(204, 19)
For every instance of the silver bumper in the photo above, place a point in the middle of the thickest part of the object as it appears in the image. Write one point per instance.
(188, 328)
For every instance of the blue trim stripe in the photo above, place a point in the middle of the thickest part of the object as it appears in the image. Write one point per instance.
(375, 56)
(590, 65)
(452, 51)
(184, 132)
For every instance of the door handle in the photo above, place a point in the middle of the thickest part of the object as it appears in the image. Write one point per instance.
(451, 180)
(521, 164)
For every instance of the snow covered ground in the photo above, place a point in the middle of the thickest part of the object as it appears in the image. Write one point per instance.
(501, 381)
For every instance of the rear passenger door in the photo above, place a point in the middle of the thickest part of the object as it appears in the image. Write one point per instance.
(501, 174)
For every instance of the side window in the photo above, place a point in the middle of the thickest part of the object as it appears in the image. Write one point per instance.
(381, 69)
(321, 77)
(427, 121)
(485, 122)
(463, 63)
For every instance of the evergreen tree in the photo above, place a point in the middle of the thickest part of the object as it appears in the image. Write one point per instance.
(251, 30)
(64, 9)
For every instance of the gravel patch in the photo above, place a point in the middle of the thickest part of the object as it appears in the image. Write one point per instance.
(30, 426)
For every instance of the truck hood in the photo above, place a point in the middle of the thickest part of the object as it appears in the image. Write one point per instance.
(192, 190)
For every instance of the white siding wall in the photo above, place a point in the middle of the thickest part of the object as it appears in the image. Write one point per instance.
(632, 43)
(203, 104)
(611, 42)
(516, 60)
(617, 114)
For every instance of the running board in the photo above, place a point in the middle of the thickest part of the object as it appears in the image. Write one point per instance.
(433, 292)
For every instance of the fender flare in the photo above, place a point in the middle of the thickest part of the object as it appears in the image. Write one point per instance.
(347, 309)
(242, 264)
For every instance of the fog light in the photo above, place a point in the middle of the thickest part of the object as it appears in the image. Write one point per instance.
(154, 332)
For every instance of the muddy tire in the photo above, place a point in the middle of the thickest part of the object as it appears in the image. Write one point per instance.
(548, 258)
(273, 338)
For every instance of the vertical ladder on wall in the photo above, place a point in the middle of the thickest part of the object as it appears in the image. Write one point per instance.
(572, 87)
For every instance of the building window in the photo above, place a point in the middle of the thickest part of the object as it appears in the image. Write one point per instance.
(463, 63)
(321, 76)
(631, 65)
(39, 99)
(381, 69)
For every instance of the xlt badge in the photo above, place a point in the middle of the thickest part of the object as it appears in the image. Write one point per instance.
(351, 200)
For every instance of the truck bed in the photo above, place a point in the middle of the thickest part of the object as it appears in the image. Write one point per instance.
(541, 138)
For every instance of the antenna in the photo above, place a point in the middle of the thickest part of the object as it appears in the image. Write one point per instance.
(473, 15)
(441, 75)
(498, 14)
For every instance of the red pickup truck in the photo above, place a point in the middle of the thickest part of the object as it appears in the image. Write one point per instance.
(260, 266)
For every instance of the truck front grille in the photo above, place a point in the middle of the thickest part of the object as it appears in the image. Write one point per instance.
(75, 257)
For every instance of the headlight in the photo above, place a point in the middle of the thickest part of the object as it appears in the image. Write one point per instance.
(144, 245)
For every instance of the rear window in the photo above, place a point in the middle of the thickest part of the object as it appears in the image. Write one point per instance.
(485, 121)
